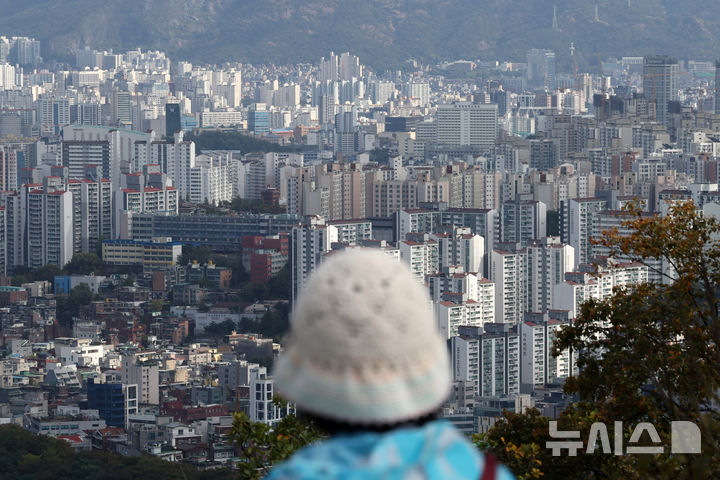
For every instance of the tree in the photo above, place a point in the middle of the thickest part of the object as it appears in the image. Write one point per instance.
(83, 264)
(519, 441)
(47, 273)
(262, 446)
(68, 306)
(216, 330)
(157, 305)
(651, 352)
(192, 252)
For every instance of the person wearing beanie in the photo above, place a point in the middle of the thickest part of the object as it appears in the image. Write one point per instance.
(366, 363)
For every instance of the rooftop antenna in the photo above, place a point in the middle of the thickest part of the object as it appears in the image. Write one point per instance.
(572, 49)
(555, 22)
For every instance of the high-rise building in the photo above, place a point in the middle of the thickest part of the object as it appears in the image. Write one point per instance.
(508, 272)
(541, 68)
(460, 247)
(172, 120)
(578, 224)
(92, 212)
(717, 87)
(259, 119)
(54, 114)
(8, 169)
(523, 221)
(420, 257)
(48, 216)
(660, 84)
(547, 262)
(418, 92)
(122, 108)
(114, 401)
(309, 242)
(142, 369)
(465, 123)
(79, 154)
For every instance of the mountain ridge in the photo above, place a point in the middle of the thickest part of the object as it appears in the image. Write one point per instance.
(384, 33)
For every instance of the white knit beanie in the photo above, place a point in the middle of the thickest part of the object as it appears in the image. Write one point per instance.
(364, 348)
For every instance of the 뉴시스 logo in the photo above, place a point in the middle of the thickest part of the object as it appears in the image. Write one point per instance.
(685, 438)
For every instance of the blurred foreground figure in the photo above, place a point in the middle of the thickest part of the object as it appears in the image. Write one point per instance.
(366, 363)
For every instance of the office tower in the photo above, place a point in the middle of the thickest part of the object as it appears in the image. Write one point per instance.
(88, 113)
(114, 401)
(541, 68)
(258, 119)
(660, 84)
(309, 242)
(523, 221)
(466, 123)
(121, 108)
(172, 120)
(546, 264)
(54, 114)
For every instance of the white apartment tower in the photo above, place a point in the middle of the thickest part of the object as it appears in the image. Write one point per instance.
(308, 244)
(546, 264)
(49, 232)
(508, 273)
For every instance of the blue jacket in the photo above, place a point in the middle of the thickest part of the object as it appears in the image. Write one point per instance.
(435, 451)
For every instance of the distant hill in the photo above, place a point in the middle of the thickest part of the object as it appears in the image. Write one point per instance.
(383, 33)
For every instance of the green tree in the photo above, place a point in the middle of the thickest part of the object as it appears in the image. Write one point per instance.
(68, 306)
(83, 264)
(157, 305)
(651, 352)
(18, 279)
(648, 353)
(261, 446)
(217, 330)
(47, 273)
(191, 253)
